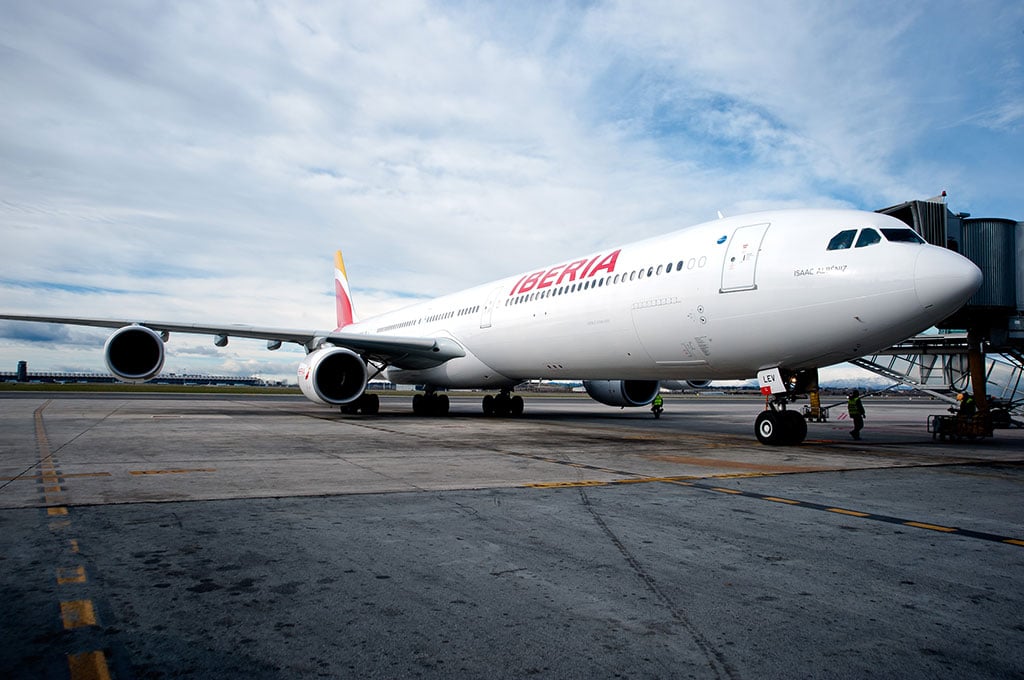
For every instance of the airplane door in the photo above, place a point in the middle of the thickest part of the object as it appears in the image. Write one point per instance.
(492, 302)
(739, 271)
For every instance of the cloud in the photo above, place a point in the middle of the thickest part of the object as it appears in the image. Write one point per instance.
(203, 162)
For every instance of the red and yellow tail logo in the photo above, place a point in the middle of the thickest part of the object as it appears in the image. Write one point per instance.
(342, 294)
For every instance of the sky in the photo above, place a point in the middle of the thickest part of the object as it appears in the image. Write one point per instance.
(202, 161)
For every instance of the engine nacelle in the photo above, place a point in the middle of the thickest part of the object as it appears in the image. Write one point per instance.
(134, 354)
(623, 392)
(698, 384)
(333, 376)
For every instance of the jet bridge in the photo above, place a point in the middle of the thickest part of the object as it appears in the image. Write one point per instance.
(940, 365)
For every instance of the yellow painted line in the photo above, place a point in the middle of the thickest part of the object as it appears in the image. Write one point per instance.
(781, 500)
(724, 490)
(170, 472)
(61, 510)
(66, 575)
(73, 542)
(851, 513)
(557, 485)
(933, 527)
(54, 498)
(77, 613)
(59, 524)
(643, 480)
(52, 489)
(88, 666)
(1014, 541)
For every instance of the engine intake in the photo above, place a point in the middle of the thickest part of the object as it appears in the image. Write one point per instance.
(622, 392)
(333, 376)
(134, 354)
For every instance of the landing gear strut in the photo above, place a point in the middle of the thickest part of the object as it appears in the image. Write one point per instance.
(503, 404)
(430, 403)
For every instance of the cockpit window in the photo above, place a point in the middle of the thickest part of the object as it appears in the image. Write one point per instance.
(842, 240)
(868, 237)
(902, 236)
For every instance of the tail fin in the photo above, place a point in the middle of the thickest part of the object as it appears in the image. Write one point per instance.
(342, 294)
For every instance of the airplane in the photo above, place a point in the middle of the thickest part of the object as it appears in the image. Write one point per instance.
(774, 294)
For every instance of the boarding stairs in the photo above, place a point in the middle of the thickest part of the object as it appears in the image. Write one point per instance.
(938, 365)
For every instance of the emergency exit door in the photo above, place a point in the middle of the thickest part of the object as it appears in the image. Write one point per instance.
(739, 271)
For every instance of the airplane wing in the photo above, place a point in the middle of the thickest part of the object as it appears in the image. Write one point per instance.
(402, 352)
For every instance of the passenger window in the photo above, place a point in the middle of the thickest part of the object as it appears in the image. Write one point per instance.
(842, 240)
(868, 237)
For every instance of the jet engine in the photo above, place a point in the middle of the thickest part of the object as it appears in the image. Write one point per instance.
(134, 354)
(698, 384)
(333, 376)
(622, 392)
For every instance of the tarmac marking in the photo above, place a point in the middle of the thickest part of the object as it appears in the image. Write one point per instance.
(88, 666)
(66, 575)
(933, 527)
(738, 464)
(724, 490)
(77, 613)
(852, 513)
(562, 485)
(952, 531)
(181, 471)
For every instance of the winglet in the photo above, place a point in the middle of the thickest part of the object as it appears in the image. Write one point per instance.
(342, 294)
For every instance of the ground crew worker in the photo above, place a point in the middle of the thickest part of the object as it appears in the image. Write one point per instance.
(657, 405)
(856, 409)
(967, 405)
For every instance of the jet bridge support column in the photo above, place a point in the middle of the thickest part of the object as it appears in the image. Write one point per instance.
(976, 363)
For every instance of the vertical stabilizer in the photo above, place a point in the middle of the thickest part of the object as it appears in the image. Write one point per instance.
(342, 294)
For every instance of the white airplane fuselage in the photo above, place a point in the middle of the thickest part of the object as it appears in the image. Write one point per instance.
(720, 300)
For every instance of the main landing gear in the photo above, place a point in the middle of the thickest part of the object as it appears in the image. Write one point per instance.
(368, 405)
(430, 403)
(503, 404)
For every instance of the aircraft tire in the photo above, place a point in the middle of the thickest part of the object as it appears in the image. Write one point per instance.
(488, 405)
(517, 405)
(369, 404)
(441, 404)
(502, 405)
(794, 426)
(769, 428)
(419, 404)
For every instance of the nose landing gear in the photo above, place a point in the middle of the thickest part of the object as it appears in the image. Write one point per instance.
(776, 425)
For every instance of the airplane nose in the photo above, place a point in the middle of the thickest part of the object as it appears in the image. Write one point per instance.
(944, 280)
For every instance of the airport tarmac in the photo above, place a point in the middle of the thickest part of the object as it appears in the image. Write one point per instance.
(247, 536)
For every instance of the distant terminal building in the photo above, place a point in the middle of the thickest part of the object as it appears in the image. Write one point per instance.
(23, 375)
